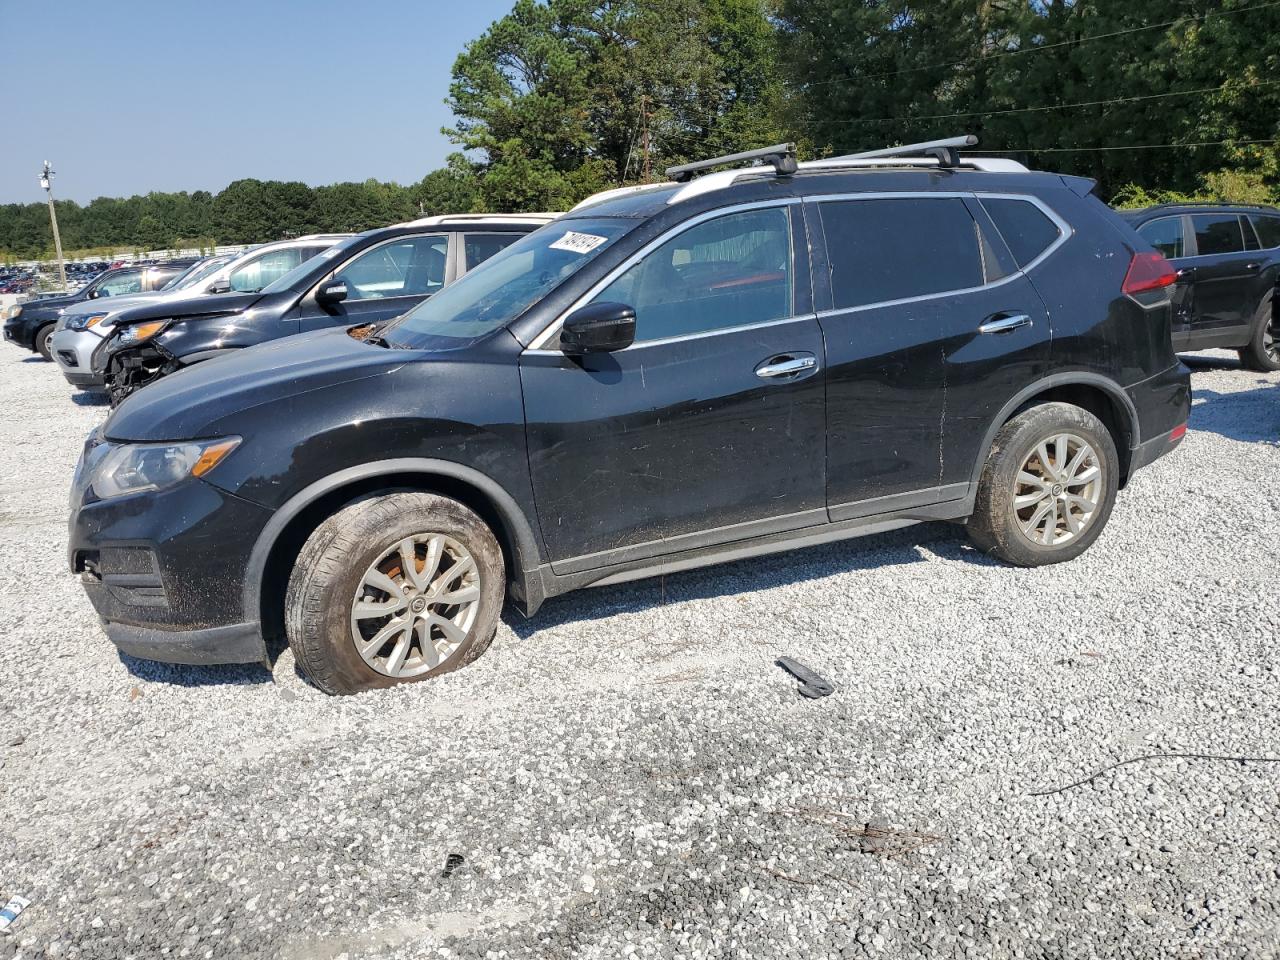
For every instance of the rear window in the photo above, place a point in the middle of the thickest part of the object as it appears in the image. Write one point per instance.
(1217, 233)
(1165, 235)
(1026, 230)
(1268, 230)
(895, 249)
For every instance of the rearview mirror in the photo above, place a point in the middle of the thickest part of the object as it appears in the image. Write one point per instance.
(219, 286)
(335, 291)
(598, 328)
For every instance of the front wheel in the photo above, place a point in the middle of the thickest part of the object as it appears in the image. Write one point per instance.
(1047, 488)
(1262, 352)
(43, 336)
(393, 589)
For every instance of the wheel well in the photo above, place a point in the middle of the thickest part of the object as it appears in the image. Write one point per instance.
(1102, 405)
(283, 553)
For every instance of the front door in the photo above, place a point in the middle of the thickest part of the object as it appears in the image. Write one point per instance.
(382, 282)
(708, 429)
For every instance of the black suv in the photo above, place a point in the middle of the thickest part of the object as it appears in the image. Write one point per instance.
(31, 324)
(664, 378)
(366, 278)
(1228, 262)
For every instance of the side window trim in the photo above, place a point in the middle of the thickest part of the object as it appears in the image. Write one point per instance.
(551, 332)
(1065, 232)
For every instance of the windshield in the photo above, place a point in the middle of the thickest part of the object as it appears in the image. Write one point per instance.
(197, 273)
(176, 281)
(505, 285)
(287, 281)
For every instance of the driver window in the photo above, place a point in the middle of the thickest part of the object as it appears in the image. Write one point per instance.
(729, 272)
(408, 267)
(122, 284)
(256, 274)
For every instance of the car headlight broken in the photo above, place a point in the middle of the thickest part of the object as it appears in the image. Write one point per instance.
(136, 467)
(141, 331)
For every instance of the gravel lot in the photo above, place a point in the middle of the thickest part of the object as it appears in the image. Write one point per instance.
(628, 774)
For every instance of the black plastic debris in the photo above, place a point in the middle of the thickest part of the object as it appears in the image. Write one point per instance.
(811, 685)
(451, 863)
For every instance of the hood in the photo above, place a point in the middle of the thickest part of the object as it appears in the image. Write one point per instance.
(197, 402)
(109, 304)
(208, 305)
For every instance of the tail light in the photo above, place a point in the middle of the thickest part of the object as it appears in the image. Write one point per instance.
(1148, 271)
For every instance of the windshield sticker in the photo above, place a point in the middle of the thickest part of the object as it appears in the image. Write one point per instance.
(578, 242)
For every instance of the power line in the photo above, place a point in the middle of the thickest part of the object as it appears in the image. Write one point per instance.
(1194, 18)
(1139, 146)
(1055, 106)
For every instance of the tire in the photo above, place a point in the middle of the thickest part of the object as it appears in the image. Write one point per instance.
(1262, 352)
(996, 525)
(362, 541)
(42, 341)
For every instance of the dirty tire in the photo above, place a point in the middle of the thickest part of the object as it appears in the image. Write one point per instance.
(332, 565)
(1262, 352)
(993, 527)
(43, 346)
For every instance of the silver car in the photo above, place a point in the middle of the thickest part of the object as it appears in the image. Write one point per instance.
(80, 329)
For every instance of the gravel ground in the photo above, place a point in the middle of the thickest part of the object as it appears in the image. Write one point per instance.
(629, 775)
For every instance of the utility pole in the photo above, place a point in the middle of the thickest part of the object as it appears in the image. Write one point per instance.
(46, 181)
(645, 170)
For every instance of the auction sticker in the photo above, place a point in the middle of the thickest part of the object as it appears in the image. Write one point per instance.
(578, 242)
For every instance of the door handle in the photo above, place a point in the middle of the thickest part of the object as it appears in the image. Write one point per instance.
(1186, 273)
(1004, 322)
(1252, 267)
(785, 365)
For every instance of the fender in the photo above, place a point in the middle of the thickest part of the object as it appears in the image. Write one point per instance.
(1069, 379)
(191, 358)
(527, 556)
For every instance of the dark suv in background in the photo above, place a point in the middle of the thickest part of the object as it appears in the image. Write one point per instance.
(666, 377)
(31, 325)
(366, 278)
(1228, 262)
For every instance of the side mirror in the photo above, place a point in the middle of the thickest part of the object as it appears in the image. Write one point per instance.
(99, 293)
(219, 286)
(335, 291)
(598, 328)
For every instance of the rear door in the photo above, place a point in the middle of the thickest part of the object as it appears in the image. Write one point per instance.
(1226, 274)
(709, 428)
(929, 328)
(382, 282)
(1169, 236)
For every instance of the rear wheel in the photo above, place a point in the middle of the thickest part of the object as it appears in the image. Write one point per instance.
(43, 347)
(1262, 352)
(394, 589)
(1047, 488)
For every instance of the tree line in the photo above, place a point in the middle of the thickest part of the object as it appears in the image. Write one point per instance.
(1155, 99)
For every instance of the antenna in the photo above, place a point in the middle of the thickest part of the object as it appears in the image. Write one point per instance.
(782, 156)
(946, 151)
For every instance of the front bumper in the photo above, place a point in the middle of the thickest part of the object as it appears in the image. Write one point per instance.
(19, 333)
(73, 352)
(165, 571)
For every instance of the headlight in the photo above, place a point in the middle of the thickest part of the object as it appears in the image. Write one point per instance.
(84, 321)
(135, 467)
(141, 331)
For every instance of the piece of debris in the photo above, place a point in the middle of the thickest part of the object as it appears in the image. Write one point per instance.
(811, 685)
(134, 694)
(451, 863)
(17, 740)
(11, 911)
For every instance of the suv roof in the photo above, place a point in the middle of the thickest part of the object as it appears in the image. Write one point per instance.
(479, 218)
(1195, 206)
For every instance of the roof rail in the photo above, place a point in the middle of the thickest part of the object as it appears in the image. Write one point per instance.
(781, 155)
(1211, 203)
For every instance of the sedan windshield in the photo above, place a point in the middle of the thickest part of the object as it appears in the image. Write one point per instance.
(505, 285)
(197, 273)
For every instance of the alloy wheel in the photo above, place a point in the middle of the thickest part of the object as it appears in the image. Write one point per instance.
(1271, 337)
(1058, 490)
(415, 605)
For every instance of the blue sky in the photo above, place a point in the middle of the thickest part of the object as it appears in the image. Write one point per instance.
(142, 95)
